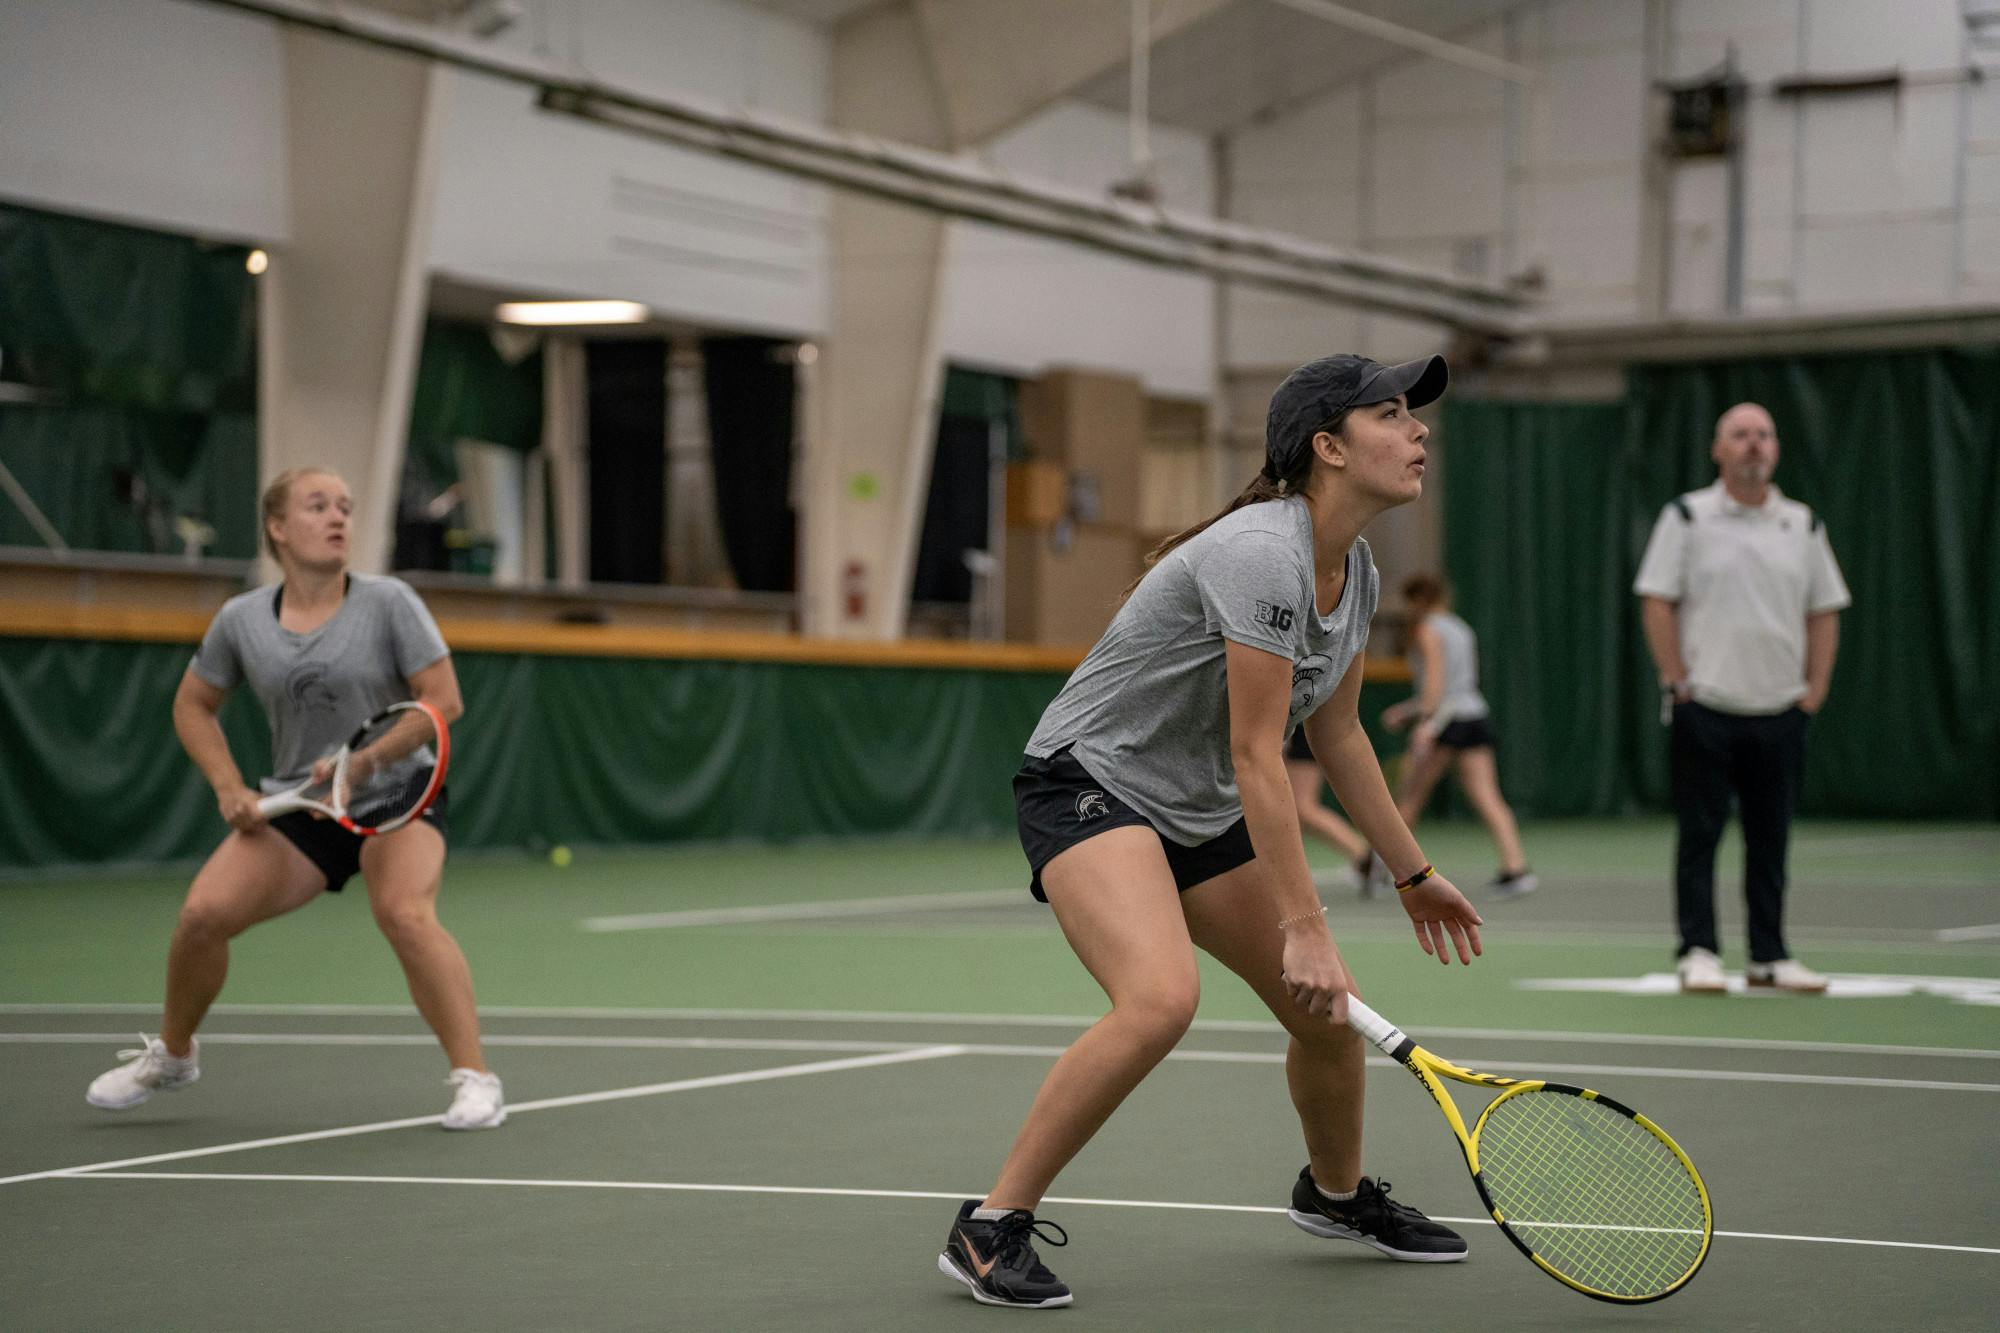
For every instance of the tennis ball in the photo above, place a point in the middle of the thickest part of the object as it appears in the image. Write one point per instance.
(559, 855)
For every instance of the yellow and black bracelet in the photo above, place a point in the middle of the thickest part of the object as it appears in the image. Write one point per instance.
(1405, 885)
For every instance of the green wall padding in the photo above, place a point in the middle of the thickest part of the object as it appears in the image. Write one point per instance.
(1548, 508)
(551, 749)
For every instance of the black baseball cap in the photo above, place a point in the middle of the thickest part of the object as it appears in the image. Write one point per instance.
(1318, 391)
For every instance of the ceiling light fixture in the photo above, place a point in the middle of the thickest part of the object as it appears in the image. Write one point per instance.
(572, 312)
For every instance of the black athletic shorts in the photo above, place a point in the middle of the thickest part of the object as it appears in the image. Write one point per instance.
(1058, 805)
(1471, 734)
(333, 849)
(1297, 749)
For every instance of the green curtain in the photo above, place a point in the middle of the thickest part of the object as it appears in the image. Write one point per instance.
(1900, 454)
(78, 463)
(1533, 504)
(93, 772)
(976, 395)
(120, 314)
(1548, 507)
(465, 390)
(551, 749)
(143, 345)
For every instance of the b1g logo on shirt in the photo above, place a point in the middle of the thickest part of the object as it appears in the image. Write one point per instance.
(1277, 617)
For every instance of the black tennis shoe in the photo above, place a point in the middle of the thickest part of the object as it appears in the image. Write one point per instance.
(1374, 1219)
(997, 1259)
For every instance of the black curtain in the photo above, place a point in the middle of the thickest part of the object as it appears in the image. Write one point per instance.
(955, 518)
(752, 398)
(626, 385)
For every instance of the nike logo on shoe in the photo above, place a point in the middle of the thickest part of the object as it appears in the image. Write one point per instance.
(972, 1253)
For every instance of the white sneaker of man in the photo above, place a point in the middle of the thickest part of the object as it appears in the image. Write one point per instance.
(1701, 973)
(477, 1104)
(1787, 974)
(148, 1070)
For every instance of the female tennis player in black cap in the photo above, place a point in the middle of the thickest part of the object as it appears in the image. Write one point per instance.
(1160, 767)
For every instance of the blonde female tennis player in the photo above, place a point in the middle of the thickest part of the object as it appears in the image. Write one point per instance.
(323, 650)
(1156, 814)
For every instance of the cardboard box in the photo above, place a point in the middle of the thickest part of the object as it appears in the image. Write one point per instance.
(1037, 494)
(1066, 596)
(1094, 424)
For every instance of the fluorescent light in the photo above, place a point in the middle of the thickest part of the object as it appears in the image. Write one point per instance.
(572, 312)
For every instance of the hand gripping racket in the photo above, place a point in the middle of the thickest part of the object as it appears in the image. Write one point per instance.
(1593, 1192)
(387, 774)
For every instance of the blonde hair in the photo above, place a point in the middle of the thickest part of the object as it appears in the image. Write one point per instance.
(279, 494)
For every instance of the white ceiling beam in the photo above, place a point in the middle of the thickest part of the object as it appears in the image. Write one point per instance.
(1435, 47)
(955, 185)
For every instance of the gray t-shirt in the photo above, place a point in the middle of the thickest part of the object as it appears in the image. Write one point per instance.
(317, 688)
(1147, 713)
(1459, 646)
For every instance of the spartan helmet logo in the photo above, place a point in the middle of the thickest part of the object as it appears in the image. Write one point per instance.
(1309, 677)
(1091, 805)
(308, 690)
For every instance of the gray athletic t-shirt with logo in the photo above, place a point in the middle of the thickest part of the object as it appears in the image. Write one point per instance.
(318, 687)
(1147, 713)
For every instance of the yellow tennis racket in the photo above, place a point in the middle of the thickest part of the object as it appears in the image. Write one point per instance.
(1593, 1192)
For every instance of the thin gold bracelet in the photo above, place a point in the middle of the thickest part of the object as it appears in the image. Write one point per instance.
(1303, 916)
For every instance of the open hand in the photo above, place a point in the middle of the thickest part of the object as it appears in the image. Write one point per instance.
(1437, 909)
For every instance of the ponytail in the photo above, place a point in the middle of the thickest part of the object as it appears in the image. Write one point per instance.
(1266, 485)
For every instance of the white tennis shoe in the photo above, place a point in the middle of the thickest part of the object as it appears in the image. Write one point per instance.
(1701, 973)
(148, 1070)
(477, 1104)
(1787, 974)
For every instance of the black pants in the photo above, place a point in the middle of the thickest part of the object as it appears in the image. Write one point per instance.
(1758, 761)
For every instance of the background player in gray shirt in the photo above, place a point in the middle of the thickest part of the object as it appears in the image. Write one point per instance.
(323, 650)
(1452, 728)
(1157, 816)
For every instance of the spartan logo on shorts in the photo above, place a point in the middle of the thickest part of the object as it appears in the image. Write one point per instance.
(1091, 805)
(1309, 676)
(1277, 617)
(306, 687)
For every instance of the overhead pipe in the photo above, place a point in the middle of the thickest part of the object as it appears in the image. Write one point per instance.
(954, 185)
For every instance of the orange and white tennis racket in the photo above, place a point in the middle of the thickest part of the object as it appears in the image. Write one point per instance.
(389, 772)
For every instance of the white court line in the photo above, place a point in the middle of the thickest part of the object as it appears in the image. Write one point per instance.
(569, 1041)
(1535, 1069)
(1957, 934)
(955, 1196)
(889, 1017)
(820, 911)
(545, 1104)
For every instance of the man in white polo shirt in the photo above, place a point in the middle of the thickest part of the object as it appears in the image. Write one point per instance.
(1741, 601)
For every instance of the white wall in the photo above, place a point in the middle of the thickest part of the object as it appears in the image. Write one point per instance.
(1020, 303)
(537, 202)
(154, 112)
(1853, 202)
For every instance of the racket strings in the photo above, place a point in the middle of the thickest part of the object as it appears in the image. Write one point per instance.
(390, 768)
(1595, 1194)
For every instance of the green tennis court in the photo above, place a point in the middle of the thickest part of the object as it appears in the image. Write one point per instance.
(747, 1086)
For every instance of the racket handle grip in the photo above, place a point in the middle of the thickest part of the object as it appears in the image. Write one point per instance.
(1373, 1026)
(278, 803)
